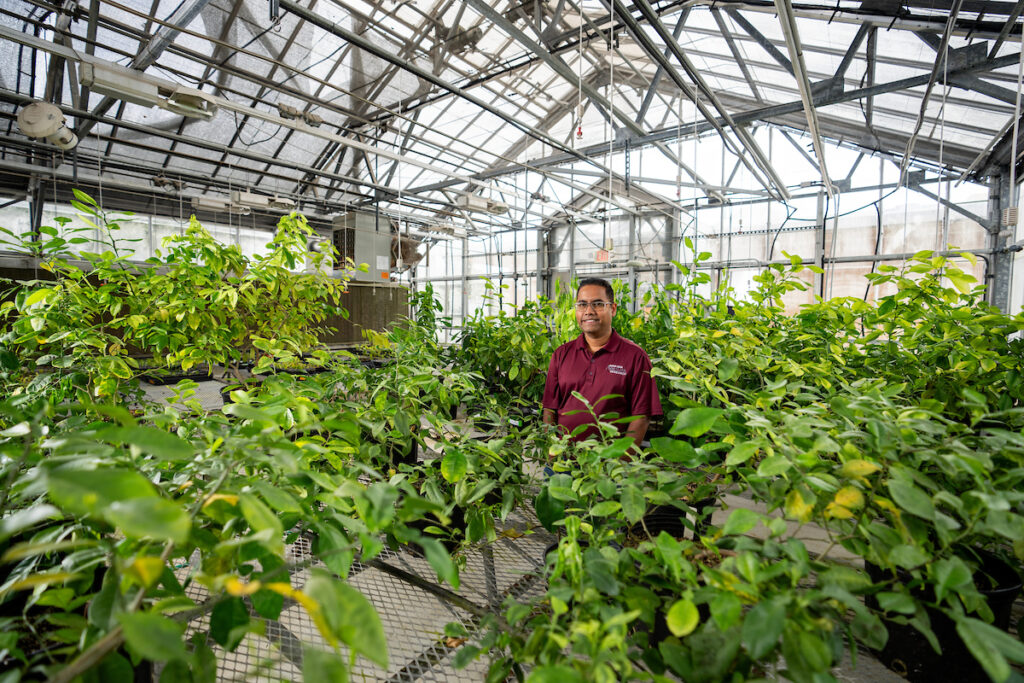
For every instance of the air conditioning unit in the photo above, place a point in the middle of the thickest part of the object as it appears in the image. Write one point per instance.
(363, 237)
(474, 202)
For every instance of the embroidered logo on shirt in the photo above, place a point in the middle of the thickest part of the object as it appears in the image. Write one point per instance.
(616, 369)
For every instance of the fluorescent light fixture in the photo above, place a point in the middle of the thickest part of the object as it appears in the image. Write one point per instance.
(284, 203)
(250, 199)
(191, 103)
(133, 86)
(215, 204)
(474, 202)
(120, 83)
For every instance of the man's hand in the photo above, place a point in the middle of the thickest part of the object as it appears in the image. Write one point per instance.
(548, 416)
(637, 429)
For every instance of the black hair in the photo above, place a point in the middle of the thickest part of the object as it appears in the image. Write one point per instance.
(600, 282)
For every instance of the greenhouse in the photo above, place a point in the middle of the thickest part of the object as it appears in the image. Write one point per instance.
(548, 341)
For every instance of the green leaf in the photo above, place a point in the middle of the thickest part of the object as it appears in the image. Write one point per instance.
(633, 504)
(911, 498)
(261, 518)
(334, 549)
(24, 519)
(695, 422)
(439, 559)
(990, 646)
(152, 441)
(682, 618)
(319, 666)
(349, 615)
(605, 508)
(229, 623)
(152, 636)
(90, 491)
(268, 604)
(176, 672)
(762, 627)
(741, 520)
(37, 296)
(951, 575)
(548, 509)
(114, 667)
(896, 602)
(678, 451)
(453, 465)
(150, 518)
(727, 369)
(280, 500)
(908, 556)
(554, 673)
(600, 571)
(741, 453)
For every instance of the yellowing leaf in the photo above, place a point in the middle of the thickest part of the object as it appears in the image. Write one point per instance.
(146, 570)
(229, 498)
(39, 580)
(797, 507)
(858, 469)
(235, 587)
(834, 511)
(886, 504)
(849, 497)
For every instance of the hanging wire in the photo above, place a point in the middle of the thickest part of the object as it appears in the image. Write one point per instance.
(1016, 124)
(939, 227)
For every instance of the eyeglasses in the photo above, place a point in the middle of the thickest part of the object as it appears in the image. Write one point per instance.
(596, 305)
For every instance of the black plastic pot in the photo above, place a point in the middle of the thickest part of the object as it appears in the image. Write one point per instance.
(908, 652)
(456, 527)
(164, 379)
(670, 519)
(403, 453)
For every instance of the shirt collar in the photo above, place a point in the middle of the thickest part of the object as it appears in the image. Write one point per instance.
(612, 346)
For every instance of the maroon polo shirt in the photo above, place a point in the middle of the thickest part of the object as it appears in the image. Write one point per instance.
(620, 367)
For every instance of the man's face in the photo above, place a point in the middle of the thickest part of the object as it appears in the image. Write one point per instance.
(593, 322)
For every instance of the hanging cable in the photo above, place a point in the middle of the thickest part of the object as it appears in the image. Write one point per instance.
(943, 46)
(1016, 125)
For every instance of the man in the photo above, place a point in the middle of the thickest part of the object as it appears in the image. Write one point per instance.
(597, 363)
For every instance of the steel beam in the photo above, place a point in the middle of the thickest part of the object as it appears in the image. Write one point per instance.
(932, 78)
(984, 222)
(554, 62)
(740, 60)
(1011, 20)
(761, 39)
(771, 181)
(796, 56)
(660, 71)
(381, 52)
(164, 36)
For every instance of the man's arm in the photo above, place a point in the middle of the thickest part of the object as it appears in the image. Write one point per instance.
(548, 416)
(637, 429)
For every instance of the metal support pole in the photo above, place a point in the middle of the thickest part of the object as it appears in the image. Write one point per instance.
(630, 255)
(541, 283)
(819, 246)
(465, 281)
(572, 252)
(1001, 195)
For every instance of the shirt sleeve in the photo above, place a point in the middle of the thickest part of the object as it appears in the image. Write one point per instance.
(644, 397)
(552, 400)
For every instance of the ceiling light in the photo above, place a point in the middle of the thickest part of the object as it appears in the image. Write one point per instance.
(215, 204)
